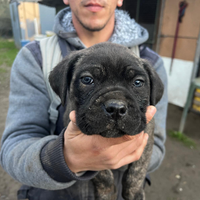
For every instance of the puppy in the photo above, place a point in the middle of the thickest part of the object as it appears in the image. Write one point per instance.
(110, 88)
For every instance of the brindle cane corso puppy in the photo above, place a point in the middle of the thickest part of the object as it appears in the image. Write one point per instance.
(110, 88)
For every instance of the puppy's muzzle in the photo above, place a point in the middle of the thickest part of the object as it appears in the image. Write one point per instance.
(116, 109)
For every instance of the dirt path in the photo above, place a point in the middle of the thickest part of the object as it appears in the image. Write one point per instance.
(179, 176)
(177, 179)
(8, 186)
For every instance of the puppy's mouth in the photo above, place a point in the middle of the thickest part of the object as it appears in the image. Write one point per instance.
(108, 127)
(112, 133)
(118, 128)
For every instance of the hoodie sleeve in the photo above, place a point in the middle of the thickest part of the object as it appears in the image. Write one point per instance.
(161, 114)
(27, 129)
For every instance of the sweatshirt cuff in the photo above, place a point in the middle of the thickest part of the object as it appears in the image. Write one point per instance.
(53, 162)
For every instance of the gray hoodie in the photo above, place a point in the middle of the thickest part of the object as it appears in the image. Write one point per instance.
(29, 153)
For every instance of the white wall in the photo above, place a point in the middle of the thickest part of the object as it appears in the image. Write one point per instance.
(178, 80)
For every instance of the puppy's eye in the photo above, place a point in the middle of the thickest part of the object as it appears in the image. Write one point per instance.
(138, 83)
(87, 80)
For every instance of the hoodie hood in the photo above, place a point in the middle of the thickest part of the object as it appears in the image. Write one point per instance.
(126, 32)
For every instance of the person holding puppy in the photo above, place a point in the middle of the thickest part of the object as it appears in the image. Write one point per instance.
(58, 163)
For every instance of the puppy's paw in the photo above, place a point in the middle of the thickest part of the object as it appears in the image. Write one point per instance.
(130, 194)
(140, 195)
(104, 186)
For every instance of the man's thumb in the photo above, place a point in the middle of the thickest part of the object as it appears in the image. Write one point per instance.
(151, 110)
(72, 127)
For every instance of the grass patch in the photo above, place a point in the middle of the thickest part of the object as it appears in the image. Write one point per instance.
(8, 52)
(2, 70)
(182, 138)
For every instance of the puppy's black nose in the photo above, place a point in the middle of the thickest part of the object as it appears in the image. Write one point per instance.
(115, 108)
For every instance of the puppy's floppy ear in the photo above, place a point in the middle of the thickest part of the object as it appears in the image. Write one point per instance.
(61, 76)
(156, 85)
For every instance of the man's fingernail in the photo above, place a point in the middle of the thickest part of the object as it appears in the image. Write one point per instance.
(141, 134)
(152, 110)
(146, 136)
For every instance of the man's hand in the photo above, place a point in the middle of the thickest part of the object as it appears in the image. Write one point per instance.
(95, 153)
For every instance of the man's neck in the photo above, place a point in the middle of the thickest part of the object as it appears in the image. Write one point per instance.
(90, 38)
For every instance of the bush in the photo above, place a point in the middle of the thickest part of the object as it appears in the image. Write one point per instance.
(5, 19)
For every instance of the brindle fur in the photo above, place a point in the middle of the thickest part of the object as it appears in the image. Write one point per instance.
(114, 69)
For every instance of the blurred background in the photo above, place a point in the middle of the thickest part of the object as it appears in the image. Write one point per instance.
(174, 33)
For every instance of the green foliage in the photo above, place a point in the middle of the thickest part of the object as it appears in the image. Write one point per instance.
(5, 19)
(182, 138)
(8, 52)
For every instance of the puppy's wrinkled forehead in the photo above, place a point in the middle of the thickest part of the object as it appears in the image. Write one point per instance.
(109, 59)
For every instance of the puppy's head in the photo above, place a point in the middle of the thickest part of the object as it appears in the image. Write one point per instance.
(108, 87)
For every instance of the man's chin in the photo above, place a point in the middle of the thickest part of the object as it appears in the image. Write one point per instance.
(93, 28)
(91, 25)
